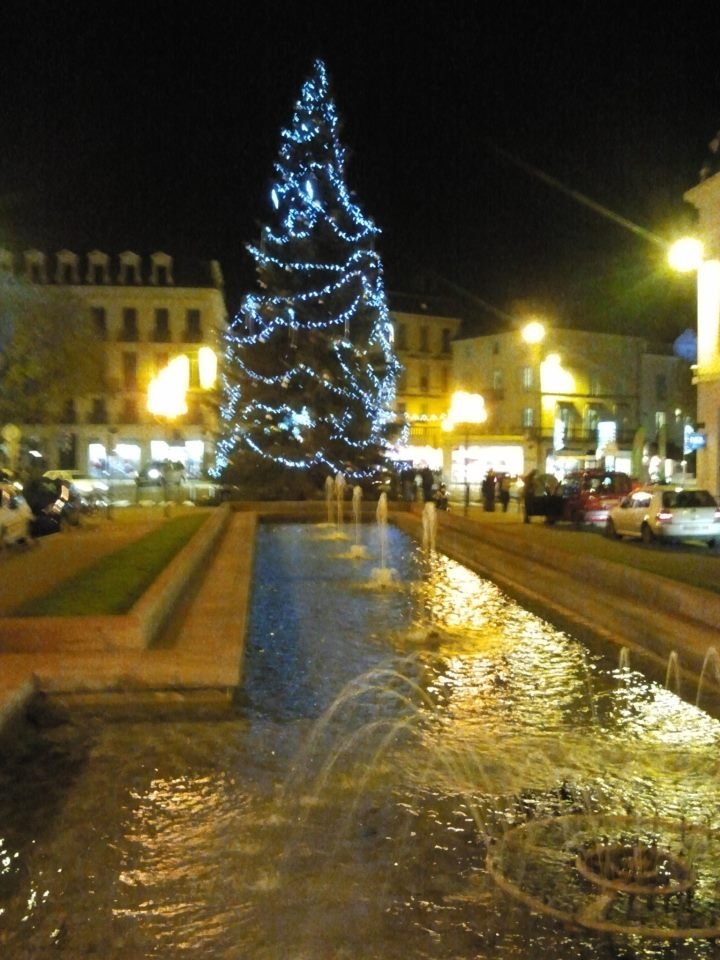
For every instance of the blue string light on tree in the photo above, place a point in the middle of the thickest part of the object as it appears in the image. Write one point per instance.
(310, 370)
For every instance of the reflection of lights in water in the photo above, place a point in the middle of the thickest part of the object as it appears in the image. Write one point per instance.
(346, 806)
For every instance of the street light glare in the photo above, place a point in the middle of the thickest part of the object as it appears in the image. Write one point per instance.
(465, 408)
(533, 332)
(166, 392)
(685, 254)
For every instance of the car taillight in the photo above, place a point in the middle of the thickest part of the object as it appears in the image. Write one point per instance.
(664, 516)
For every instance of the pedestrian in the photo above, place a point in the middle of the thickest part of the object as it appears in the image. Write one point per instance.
(428, 481)
(530, 483)
(408, 484)
(489, 490)
(505, 491)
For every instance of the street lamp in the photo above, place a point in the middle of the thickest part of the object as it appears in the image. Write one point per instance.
(467, 411)
(688, 255)
(533, 332)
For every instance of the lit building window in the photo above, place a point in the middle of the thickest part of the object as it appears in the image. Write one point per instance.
(527, 378)
(528, 417)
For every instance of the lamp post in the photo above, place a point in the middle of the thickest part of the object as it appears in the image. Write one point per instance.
(533, 334)
(687, 255)
(467, 411)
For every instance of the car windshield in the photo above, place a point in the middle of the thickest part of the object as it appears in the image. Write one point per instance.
(688, 498)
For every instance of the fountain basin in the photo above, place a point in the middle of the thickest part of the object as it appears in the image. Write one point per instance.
(646, 877)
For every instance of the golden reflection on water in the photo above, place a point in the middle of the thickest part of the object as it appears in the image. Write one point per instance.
(362, 834)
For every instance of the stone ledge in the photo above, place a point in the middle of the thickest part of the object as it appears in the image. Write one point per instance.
(667, 596)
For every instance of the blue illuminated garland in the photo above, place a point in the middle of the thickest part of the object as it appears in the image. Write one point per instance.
(310, 372)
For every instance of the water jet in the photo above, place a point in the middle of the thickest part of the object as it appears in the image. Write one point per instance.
(482, 796)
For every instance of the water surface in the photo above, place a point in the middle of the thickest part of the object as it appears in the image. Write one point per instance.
(384, 739)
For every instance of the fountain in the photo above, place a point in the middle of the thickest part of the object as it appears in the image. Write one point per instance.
(329, 497)
(383, 575)
(358, 550)
(334, 498)
(615, 875)
(672, 674)
(340, 496)
(712, 659)
(499, 793)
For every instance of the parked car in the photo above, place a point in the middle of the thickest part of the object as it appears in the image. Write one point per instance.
(584, 496)
(541, 496)
(15, 516)
(589, 495)
(666, 513)
(52, 504)
(87, 492)
(161, 473)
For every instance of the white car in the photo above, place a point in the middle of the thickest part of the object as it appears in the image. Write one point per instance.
(660, 512)
(15, 516)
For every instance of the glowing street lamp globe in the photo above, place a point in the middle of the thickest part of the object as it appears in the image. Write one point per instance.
(686, 254)
(533, 332)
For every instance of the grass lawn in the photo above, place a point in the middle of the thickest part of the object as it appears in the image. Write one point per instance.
(118, 580)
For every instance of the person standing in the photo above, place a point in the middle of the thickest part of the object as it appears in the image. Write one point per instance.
(428, 481)
(488, 490)
(504, 491)
(529, 492)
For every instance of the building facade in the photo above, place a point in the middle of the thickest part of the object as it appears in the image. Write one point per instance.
(705, 197)
(147, 312)
(424, 334)
(567, 400)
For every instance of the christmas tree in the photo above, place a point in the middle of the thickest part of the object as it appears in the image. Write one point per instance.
(310, 370)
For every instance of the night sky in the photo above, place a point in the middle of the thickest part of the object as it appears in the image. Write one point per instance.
(154, 125)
